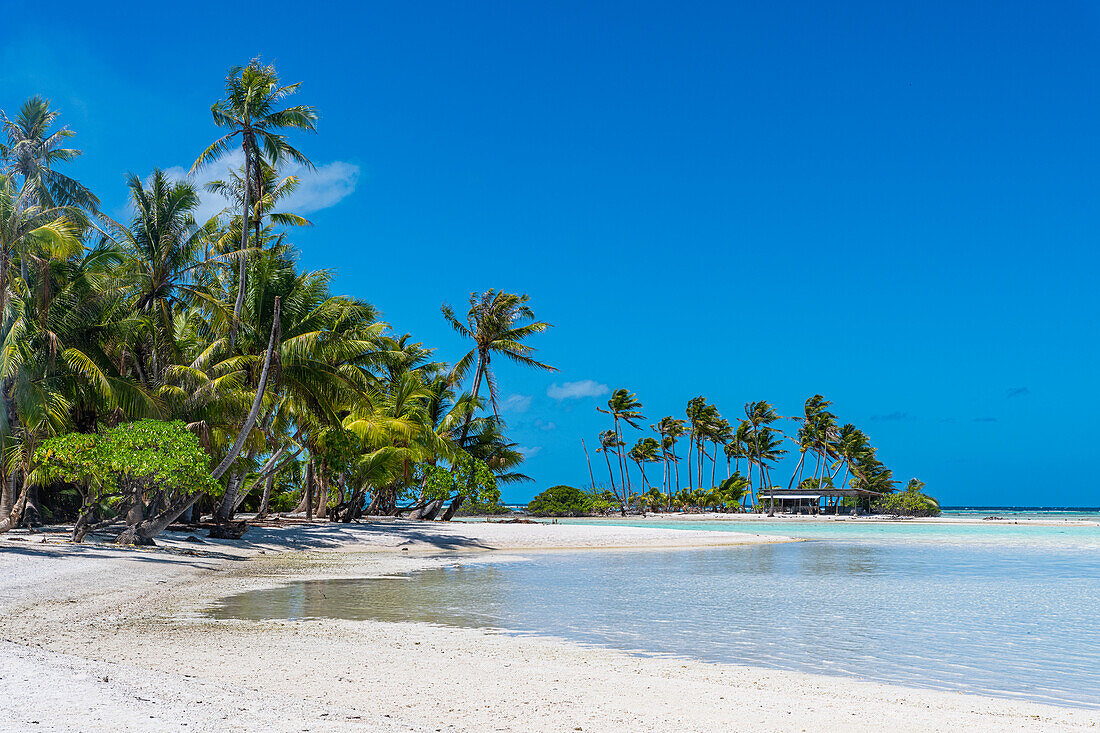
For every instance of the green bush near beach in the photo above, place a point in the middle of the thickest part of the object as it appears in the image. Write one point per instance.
(560, 501)
(909, 503)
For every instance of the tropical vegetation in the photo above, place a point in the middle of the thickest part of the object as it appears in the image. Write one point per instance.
(912, 502)
(157, 368)
(560, 501)
(830, 456)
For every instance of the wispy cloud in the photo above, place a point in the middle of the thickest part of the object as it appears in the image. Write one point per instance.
(544, 425)
(530, 452)
(985, 419)
(321, 188)
(576, 390)
(515, 403)
(1018, 392)
(891, 417)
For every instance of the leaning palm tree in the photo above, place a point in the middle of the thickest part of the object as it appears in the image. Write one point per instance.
(498, 323)
(250, 109)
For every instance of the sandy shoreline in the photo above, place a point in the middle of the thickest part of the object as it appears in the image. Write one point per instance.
(100, 638)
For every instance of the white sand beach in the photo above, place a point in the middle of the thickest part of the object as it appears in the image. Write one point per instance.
(101, 638)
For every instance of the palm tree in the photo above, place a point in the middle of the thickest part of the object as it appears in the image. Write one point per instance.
(32, 151)
(673, 429)
(720, 432)
(161, 264)
(250, 109)
(761, 414)
(269, 189)
(25, 226)
(497, 323)
(669, 428)
(732, 490)
(623, 406)
(696, 415)
(609, 441)
(821, 425)
(645, 451)
(59, 377)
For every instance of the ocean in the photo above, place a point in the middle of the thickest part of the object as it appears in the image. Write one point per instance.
(997, 609)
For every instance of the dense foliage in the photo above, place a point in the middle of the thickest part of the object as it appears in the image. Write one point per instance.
(912, 502)
(145, 464)
(210, 331)
(560, 501)
(468, 476)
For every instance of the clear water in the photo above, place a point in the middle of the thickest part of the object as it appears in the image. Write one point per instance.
(1053, 534)
(1004, 610)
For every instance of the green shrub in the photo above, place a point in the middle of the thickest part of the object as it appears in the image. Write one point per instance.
(560, 501)
(909, 503)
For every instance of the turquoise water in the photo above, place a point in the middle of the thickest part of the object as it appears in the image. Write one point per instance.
(1062, 533)
(1003, 610)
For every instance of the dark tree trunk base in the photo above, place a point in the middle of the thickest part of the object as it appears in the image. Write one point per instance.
(130, 536)
(452, 510)
(228, 530)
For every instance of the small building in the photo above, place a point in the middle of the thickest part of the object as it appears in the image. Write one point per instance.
(801, 501)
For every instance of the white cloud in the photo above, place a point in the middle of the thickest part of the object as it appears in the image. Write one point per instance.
(530, 452)
(576, 390)
(319, 189)
(322, 188)
(515, 403)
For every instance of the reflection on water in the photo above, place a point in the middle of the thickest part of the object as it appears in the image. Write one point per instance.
(977, 618)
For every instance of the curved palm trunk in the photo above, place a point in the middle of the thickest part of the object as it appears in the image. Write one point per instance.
(798, 469)
(266, 499)
(457, 503)
(144, 531)
(254, 413)
(478, 374)
(588, 460)
(610, 473)
(12, 520)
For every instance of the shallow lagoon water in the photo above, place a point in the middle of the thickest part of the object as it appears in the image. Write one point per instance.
(1000, 610)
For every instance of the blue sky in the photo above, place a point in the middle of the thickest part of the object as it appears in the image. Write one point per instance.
(893, 205)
